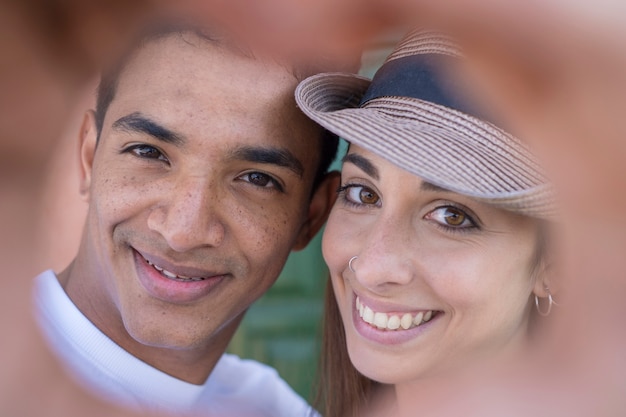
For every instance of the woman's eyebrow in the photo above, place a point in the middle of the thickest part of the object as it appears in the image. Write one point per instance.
(428, 186)
(368, 167)
(363, 163)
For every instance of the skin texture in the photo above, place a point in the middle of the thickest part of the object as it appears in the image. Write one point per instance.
(478, 275)
(172, 180)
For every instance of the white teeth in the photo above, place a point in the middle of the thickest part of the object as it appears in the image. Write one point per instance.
(427, 316)
(168, 274)
(359, 307)
(391, 321)
(380, 320)
(368, 315)
(406, 321)
(418, 318)
(172, 275)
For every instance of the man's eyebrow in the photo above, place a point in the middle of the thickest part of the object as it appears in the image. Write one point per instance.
(139, 123)
(264, 155)
(363, 163)
(428, 186)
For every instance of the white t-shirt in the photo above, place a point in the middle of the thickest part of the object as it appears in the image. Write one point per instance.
(236, 387)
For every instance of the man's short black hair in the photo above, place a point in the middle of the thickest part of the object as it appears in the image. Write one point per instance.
(329, 142)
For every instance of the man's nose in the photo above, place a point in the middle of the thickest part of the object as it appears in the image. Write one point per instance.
(188, 216)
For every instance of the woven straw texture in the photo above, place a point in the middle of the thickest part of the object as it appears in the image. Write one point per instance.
(443, 146)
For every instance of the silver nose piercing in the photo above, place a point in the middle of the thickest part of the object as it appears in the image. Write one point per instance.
(350, 263)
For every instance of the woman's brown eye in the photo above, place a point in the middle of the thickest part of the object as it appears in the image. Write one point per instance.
(367, 196)
(454, 217)
(360, 195)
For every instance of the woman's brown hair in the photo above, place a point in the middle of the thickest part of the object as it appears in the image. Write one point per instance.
(341, 390)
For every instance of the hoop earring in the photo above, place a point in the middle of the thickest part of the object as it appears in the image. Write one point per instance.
(350, 263)
(550, 303)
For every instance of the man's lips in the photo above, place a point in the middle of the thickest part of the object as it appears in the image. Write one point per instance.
(175, 284)
(178, 272)
(172, 275)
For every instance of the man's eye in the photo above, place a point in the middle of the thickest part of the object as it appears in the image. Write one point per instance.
(261, 180)
(148, 152)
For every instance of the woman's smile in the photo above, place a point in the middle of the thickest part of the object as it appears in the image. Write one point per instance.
(392, 321)
(423, 276)
(390, 326)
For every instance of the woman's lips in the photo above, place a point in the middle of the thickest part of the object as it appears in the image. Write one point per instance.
(392, 321)
(390, 327)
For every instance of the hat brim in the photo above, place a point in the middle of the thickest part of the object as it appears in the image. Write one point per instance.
(442, 146)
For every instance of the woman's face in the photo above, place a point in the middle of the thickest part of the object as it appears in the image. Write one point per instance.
(439, 277)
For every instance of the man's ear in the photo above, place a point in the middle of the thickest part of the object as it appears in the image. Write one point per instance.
(87, 142)
(319, 209)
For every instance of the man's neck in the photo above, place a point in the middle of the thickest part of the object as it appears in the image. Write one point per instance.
(192, 365)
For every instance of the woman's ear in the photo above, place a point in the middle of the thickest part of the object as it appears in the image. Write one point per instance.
(544, 271)
(87, 142)
(546, 277)
(319, 208)
(542, 278)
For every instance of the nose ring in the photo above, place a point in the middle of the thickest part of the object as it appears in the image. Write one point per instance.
(350, 263)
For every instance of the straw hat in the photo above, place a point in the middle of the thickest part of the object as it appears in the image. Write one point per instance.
(414, 114)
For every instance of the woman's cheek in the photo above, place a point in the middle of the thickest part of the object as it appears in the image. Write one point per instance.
(330, 245)
(339, 239)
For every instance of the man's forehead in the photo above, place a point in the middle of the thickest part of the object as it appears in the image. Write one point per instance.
(193, 44)
(200, 87)
(190, 60)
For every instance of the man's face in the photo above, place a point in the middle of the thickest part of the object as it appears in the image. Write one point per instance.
(199, 188)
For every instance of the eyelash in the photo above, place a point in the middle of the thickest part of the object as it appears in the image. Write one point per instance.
(473, 224)
(342, 191)
(133, 149)
(276, 184)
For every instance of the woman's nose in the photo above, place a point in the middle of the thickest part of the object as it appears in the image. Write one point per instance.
(386, 258)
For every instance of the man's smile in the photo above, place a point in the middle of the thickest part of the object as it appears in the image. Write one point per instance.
(172, 283)
(179, 273)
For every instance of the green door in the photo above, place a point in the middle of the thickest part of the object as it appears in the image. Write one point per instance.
(281, 329)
